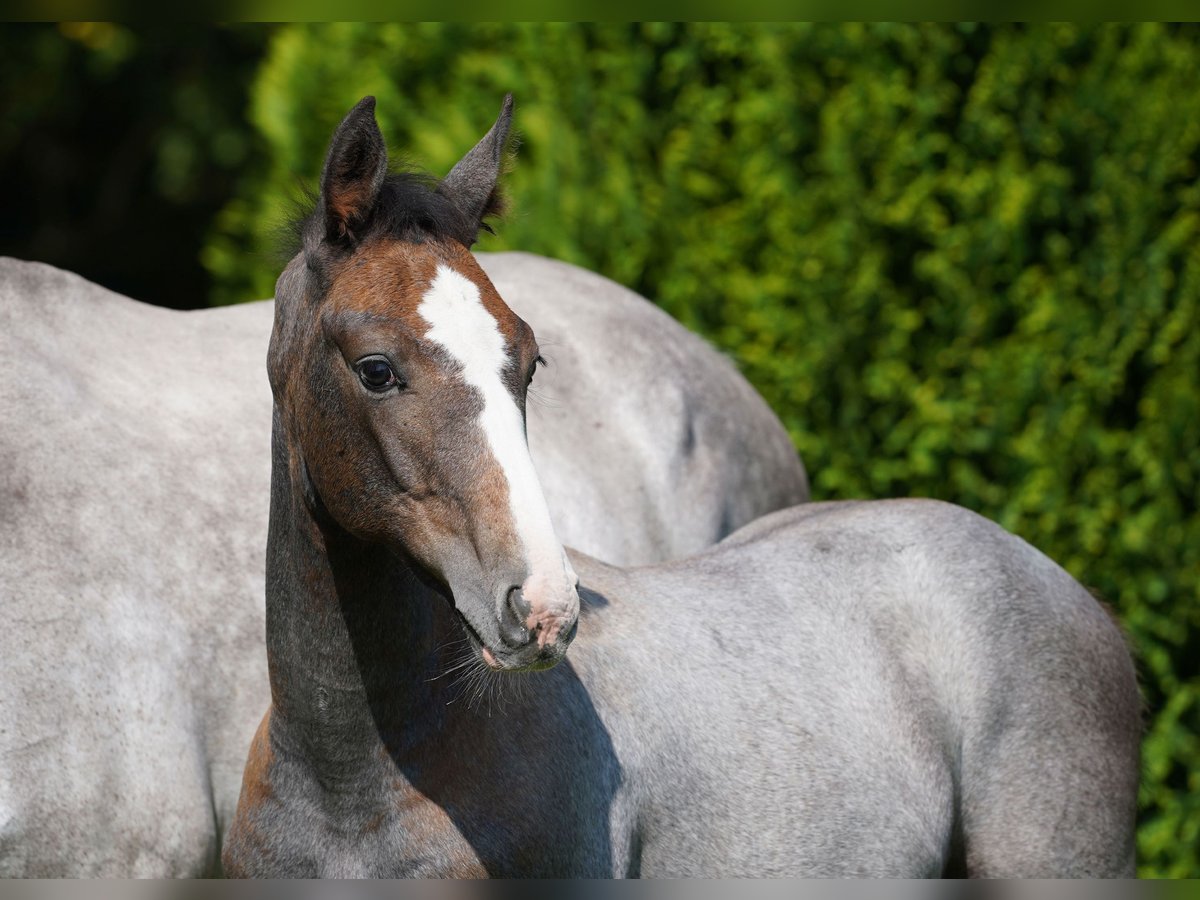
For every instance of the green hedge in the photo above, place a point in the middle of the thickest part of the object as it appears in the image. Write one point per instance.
(959, 262)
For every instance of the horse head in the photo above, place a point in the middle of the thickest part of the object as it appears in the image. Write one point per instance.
(400, 380)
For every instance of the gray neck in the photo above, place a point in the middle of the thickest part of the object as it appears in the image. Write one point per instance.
(352, 639)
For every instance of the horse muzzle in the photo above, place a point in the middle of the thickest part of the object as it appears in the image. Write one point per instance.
(535, 631)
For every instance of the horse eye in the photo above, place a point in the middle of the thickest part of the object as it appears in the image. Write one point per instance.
(376, 374)
(533, 369)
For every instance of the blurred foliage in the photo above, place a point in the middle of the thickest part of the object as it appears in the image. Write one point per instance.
(118, 145)
(960, 262)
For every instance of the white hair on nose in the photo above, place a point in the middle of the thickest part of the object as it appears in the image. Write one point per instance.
(461, 325)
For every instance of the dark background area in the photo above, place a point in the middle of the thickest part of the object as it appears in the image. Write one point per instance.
(118, 147)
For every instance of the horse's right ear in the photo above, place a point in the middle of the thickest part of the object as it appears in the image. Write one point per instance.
(353, 174)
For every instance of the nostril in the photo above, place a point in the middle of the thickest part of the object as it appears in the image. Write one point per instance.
(555, 649)
(518, 604)
(512, 619)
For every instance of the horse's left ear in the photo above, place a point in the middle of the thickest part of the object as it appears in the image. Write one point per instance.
(471, 184)
(353, 174)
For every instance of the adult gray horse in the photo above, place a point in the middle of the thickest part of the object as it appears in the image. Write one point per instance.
(898, 688)
(134, 471)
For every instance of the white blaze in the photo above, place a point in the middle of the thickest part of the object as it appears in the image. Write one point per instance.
(462, 326)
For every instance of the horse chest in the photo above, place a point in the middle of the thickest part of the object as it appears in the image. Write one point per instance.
(418, 837)
(436, 824)
(433, 820)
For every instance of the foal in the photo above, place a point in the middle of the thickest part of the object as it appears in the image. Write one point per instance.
(895, 688)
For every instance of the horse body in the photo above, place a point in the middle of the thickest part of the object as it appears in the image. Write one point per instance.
(134, 471)
(894, 688)
(913, 691)
(135, 478)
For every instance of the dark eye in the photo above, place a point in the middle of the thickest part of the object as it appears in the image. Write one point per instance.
(533, 369)
(376, 374)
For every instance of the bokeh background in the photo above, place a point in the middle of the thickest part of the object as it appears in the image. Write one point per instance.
(959, 261)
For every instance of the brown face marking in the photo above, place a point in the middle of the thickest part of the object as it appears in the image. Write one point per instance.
(373, 301)
(390, 278)
(438, 464)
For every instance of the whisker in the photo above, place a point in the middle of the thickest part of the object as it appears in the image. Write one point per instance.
(476, 690)
(543, 399)
(459, 666)
(459, 645)
(451, 642)
(467, 673)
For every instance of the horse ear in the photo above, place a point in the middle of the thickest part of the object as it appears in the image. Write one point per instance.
(471, 184)
(353, 174)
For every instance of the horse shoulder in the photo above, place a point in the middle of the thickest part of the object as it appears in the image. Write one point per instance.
(248, 847)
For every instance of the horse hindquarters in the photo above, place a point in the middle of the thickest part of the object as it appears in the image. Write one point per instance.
(1058, 801)
(1050, 760)
(932, 690)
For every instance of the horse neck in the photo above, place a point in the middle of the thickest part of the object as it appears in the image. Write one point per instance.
(352, 638)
